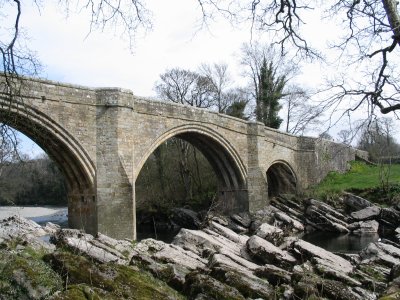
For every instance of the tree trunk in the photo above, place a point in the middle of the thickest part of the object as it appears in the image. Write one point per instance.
(393, 18)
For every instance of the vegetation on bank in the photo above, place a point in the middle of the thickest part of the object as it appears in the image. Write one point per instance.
(32, 182)
(379, 183)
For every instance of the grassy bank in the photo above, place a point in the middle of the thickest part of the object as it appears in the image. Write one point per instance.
(379, 183)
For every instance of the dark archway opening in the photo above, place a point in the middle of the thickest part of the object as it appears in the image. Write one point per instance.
(189, 171)
(281, 180)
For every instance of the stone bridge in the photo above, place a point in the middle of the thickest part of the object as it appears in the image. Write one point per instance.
(100, 138)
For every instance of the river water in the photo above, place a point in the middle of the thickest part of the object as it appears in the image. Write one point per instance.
(344, 243)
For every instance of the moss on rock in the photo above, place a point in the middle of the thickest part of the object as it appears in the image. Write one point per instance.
(118, 282)
(24, 275)
(200, 284)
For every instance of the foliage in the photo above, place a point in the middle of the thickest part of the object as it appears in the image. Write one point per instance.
(236, 109)
(32, 182)
(360, 177)
(271, 91)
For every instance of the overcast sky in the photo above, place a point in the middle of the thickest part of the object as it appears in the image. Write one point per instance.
(103, 59)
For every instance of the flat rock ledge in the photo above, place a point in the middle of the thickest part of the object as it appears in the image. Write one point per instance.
(217, 262)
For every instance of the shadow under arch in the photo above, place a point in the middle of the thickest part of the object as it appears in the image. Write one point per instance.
(281, 179)
(223, 158)
(69, 156)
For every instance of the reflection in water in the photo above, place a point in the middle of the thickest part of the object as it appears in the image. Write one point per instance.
(345, 243)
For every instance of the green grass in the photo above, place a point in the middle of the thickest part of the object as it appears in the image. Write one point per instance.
(362, 179)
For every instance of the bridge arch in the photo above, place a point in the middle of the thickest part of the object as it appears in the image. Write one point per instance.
(222, 156)
(281, 179)
(70, 157)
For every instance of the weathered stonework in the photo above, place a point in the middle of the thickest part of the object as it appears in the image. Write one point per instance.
(101, 138)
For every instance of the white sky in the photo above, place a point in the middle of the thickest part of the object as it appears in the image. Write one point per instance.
(102, 59)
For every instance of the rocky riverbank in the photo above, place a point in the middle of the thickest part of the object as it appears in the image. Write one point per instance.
(259, 256)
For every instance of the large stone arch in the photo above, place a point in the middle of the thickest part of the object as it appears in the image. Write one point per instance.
(281, 179)
(223, 158)
(66, 151)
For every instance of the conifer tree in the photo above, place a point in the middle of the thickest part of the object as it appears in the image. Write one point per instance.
(270, 92)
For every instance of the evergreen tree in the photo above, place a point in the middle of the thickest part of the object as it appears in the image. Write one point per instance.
(270, 92)
(236, 109)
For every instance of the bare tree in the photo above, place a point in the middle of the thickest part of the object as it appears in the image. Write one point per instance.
(220, 80)
(185, 87)
(301, 114)
(8, 146)
(377, 137)
(371, 40)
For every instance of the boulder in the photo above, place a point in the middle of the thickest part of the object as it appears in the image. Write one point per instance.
(268, 253)
(51, 228)
(273, 274)
(244, 263)
(325, 268)
(395, 272)
(326, 210)
(265, 215)
(86, 244)
(209, 288)
(390, 217)
(361, 227)
(185, 218)
(368, 213)
(289, 222)
(168, 253)
(340, 291)
(324, 221)
(247, 284)
(25, 276)
(205, 243)
(355, 203)
(286, 205)
(116, 281)
(306, 250)
(392, 292)
(270, 233)
(25, 232)
(381, 253)
(228, 233)
(124, 247)
(218, 260)
(243, 219)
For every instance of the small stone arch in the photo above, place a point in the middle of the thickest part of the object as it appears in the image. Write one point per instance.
(69, 156)
(223, 158)
(281, 179)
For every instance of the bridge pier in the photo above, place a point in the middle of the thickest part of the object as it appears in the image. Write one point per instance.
(256, 182)
(116, 213)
